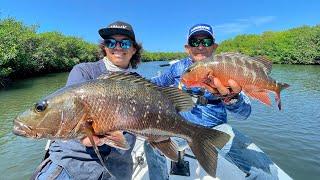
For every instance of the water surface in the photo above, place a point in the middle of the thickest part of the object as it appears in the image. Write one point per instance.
(290, 137)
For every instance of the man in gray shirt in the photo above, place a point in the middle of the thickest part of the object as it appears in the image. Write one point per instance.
(76, 159)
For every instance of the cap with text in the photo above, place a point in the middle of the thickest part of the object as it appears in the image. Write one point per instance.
(201, 29)
(117, 27)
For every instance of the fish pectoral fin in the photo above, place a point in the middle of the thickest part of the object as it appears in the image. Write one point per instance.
(88, 130)
(167, 147)
(257, 93)
(116, 139)
(261, 96)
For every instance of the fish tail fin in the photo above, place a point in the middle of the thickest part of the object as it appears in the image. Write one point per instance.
(281, 86)
(204, 143)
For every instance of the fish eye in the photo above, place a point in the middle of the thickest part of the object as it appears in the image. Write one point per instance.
(40, 106)
(188, 70)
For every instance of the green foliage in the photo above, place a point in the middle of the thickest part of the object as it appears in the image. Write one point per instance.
(162, 56)
(23, 52)
(295, 46)
(15, 41)
(56, 52)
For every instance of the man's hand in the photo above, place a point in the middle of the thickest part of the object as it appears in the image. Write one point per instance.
(214, 85)
(235, 88)
(86, 141)
(228, 93)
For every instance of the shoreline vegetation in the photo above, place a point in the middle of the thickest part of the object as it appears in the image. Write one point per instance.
(26, 53)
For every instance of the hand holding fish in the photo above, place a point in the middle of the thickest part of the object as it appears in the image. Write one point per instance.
(225, 92)
(86, 141)
(217, 88)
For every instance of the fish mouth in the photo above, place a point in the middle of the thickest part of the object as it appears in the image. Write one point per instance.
(183, 81)
(21, 129)
(186, 83)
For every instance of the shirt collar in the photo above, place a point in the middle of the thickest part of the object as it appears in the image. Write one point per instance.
(111, 67)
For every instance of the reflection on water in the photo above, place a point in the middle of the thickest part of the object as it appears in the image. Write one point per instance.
(290, 137)
(19, 156)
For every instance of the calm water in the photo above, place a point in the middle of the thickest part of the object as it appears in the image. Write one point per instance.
(291, 137)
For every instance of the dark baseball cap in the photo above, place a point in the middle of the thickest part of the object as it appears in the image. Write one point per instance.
(117, 27)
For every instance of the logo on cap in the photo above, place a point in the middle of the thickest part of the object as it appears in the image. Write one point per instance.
(201, 28)
(118, 26)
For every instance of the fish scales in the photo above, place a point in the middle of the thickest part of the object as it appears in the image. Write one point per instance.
(131, 106)
(121, 102)
(236, 68)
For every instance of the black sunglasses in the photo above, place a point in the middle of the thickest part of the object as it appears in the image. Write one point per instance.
(206, 42)
(112, 43)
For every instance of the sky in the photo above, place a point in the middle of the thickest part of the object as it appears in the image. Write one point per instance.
(163, 25)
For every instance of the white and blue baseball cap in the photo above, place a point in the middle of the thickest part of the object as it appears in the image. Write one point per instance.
(201, 29)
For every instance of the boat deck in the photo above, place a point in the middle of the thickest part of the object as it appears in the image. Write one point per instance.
(225, 169)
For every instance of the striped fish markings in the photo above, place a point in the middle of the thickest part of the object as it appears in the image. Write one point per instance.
(251, 73)
(121, 102)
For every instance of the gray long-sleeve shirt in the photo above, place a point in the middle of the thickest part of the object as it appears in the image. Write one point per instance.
(81, 162)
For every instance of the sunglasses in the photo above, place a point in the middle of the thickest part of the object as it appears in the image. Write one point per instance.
(206, 42)
(112, 43)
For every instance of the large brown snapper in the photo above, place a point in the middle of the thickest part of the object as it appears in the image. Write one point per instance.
(116, 103)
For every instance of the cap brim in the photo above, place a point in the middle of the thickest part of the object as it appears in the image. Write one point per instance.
(107, 32)
(201, 33)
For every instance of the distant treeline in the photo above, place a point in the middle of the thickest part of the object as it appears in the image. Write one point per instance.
(295, 46)
(24, 52)
(162, 56)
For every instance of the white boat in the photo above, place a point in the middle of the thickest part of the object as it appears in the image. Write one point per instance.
(169, 63)
(225, 169)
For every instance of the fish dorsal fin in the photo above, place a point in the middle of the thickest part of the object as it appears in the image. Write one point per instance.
(265, 61)
(204, 62)
(230, 54)
(181, 100)
(127, 76)
(222, 56)
(228, 57)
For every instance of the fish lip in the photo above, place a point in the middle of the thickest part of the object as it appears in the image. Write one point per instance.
(21, 129)
(183, 81)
